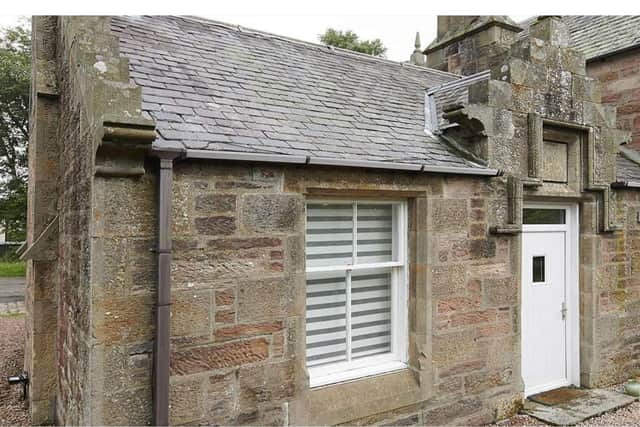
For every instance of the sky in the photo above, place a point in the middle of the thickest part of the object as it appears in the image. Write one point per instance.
(397, 32)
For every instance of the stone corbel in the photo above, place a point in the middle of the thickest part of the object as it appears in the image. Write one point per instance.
(514, 213)
(123, 144)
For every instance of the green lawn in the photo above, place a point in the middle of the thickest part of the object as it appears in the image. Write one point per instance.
(12, 269)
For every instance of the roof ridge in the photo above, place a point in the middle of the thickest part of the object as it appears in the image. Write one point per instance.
(346, 52)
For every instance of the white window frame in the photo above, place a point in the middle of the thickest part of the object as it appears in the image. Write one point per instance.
(332, 373)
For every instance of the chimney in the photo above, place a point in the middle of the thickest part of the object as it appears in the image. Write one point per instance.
(465, 44)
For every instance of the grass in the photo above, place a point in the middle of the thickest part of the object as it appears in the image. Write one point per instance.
(6, 315)
(12, 269)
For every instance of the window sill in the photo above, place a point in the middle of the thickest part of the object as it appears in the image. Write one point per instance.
(317, 380)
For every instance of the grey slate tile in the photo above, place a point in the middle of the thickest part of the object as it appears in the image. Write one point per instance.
(244, 90)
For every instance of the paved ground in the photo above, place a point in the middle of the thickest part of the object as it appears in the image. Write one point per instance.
(11, 295)
(11, 289)
(590, 404)
(626, 416)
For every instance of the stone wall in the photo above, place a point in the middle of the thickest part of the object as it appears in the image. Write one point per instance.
(540, 90)
(620, 83)
(237, 264)
(238, 293)
(89, 311)
(41, 277)
(618, 295)
(74, 219)
(123, 288)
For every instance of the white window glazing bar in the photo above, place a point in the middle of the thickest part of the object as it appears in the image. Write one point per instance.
(355, 267)
(354, 234)
(348, 315)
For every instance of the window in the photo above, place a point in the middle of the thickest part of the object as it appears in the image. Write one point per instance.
(543, 216)
(538, 269)
(356, 289)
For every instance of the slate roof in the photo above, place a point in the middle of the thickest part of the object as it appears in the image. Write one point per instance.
(213, 86)
(596, 36)
(627, 170)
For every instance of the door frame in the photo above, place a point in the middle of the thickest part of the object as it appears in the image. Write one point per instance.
(572, 284)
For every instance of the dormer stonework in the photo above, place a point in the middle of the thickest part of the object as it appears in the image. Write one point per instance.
(543, 122)
(465, 44)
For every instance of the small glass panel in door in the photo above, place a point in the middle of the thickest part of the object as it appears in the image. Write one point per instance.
(538, 269)
(543, 216)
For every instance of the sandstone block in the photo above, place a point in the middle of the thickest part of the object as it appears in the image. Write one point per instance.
(268, 299)
(123, 320)
(227, 355)
(450, 214)
(215, 203)
(244, 243)
(186, 401)
(499, 292)
(266, 384)
(244, 331)
(451, 411)
(216, 225)
(225, 297)
(482, 248)
(272, 212)
(225, 316)
(448, 279)
(190, 312)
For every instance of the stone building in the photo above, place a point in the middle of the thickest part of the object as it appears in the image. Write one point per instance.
(227, 226)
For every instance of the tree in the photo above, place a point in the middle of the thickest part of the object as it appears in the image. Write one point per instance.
(350, 40)
(15, 75)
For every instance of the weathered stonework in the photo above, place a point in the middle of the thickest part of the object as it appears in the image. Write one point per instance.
(237, 344)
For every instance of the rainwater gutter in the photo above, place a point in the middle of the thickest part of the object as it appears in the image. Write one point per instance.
(325, 161)
(626, 184)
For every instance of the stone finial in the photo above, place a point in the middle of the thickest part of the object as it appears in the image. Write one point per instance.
(417, 57)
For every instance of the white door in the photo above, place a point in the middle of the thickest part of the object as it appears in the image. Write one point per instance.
(549, 291)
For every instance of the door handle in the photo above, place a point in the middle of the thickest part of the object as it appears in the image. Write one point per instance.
(563, 310)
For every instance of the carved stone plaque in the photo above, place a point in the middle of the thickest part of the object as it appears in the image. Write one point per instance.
(554, 165)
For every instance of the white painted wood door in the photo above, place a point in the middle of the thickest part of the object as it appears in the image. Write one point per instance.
(548, 308)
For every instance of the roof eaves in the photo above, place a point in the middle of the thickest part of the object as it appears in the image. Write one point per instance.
(614, 52)
(325, 161)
